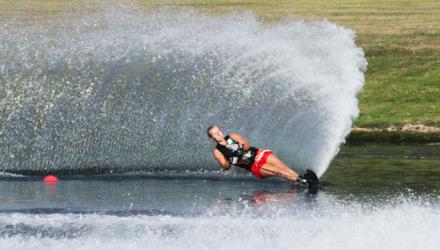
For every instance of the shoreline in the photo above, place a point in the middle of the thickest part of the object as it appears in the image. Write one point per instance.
(408, 134)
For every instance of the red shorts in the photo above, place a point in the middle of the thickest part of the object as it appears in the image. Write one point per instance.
(260, 160)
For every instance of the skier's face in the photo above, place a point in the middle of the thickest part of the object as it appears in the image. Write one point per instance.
(216, 134)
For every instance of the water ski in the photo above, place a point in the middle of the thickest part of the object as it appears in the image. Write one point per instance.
(311, 180)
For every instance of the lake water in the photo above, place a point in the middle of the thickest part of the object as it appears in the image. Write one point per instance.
(372, 197)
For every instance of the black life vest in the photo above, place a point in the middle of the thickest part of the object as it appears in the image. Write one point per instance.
(235, 153)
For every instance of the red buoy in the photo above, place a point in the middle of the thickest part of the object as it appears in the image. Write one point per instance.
(50, 179)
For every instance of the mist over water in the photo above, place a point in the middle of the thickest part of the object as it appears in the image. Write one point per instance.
(407, 225)
(125, 89)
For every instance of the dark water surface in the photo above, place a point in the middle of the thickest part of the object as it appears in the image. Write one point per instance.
(358, 172)
(385, 170)
(368, 190)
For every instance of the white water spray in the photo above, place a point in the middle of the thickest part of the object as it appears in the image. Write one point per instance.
(123, 89)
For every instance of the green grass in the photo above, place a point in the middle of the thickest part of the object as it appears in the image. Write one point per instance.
(401, 39)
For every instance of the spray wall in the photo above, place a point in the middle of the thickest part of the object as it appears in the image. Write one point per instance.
(123, 89)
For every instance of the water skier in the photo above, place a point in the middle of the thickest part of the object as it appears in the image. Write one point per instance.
(234, 149)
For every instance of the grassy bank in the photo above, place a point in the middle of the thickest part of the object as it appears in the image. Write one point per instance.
(398, 137)
(401, 40)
